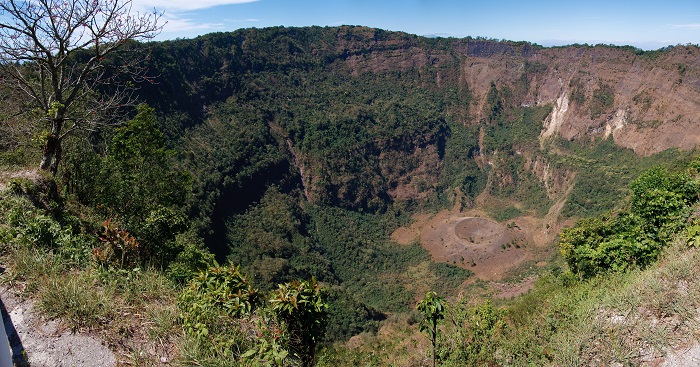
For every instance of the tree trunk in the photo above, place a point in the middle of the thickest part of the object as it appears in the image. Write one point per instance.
(434, 342)
(51, 153)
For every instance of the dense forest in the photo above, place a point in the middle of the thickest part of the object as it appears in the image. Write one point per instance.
(292, 154)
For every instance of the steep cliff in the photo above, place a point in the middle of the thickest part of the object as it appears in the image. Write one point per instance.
(367, 119)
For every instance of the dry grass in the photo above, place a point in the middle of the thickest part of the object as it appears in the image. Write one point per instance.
(636, 318)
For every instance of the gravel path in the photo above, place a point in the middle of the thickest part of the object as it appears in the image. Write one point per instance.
(41, 343)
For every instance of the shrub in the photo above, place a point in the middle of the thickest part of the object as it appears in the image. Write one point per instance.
(192, 258)
(660, 200)
(212, 300)
(475, 337)
(302, 308)
(118, 247)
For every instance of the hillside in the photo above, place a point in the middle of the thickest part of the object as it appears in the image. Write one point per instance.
(381, 164)
(365, 117)
(373, 121)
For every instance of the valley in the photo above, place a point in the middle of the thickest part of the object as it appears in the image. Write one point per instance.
(382, 165)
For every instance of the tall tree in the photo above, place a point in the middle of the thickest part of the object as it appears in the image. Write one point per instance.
(53, 51)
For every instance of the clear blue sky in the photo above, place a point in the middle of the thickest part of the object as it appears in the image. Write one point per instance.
(642, 23)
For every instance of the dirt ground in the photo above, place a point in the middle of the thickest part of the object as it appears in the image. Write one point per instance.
(5, 177)
(483, 246)
(38, 342)
(471, 240)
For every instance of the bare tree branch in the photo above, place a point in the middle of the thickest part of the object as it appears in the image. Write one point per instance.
(53, 52)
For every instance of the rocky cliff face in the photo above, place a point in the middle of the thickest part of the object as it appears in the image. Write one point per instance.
(367, 117)
(648, 101)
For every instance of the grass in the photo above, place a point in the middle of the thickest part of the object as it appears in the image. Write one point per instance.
(620, 318)
(632, 318)
(76, 300)
(133, 310)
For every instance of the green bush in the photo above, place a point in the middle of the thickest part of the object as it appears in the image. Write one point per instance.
(211, 307)
(476, 332)
(660, 203)
(192, 258)
(302, 308)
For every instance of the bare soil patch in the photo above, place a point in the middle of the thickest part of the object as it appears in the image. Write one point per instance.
(479, 244)
(5, 177)
(408, 235)
(509, 290)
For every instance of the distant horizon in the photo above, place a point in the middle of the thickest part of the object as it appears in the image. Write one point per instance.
(545, 43)
(644, 24)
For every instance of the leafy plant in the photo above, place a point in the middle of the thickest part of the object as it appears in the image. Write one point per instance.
(617, 241)
(476, 333)
(118, 248)
(302, 308)
(211, 307)
(433, 309)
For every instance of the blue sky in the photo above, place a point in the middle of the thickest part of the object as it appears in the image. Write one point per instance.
(641, 23)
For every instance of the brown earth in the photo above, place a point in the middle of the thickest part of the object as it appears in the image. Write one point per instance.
(491, 250)
(483, 246)
(5, 177)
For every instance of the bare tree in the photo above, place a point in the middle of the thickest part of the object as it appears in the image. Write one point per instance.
(53, 52)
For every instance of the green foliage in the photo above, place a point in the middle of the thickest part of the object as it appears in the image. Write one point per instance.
(271, 241)
(210, 306)
(139, 140)
(477, 330)
(118, 248)
(23, 225)
(461, 170)
(266, 353)
(192, 258)
(518, 129)
(135, 182)
(505, 214)
(659, 196)
(603, 173)
(219, 288)
(137, 176)
(76, 300)
(363, 261)
(433, 309)
(659, 205)
(302, 309)
(692, 234)
(602, 101)
(577, 95)
(449, 276)
(226, 319)
(600, 244)
(348, 317)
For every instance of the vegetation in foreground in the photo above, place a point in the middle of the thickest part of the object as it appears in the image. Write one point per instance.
(297, 169)
(616, 303)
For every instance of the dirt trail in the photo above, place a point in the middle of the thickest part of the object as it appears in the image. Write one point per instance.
(42, 343)
(7, 176)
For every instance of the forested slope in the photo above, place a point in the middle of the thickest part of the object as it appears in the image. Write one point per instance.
(296, 152)
(308, 146)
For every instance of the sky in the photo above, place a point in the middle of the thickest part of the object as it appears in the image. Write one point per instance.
(645, 24)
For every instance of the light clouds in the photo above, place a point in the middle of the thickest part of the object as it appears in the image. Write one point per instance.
(183, 5)
(694, 26)
(175, 25)
(644, 24)
(181, 18)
